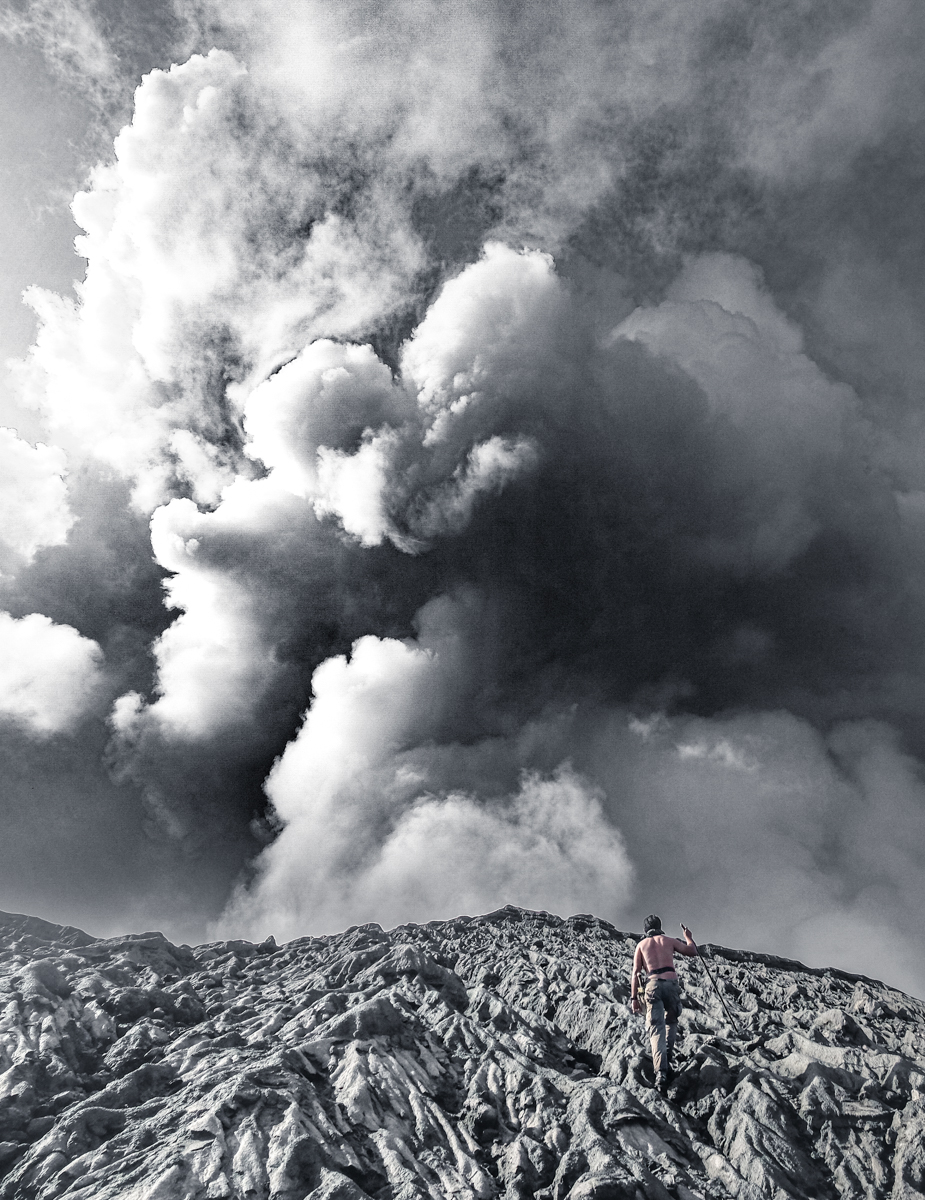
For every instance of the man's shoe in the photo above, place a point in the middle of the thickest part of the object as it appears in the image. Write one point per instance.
(662, 1083)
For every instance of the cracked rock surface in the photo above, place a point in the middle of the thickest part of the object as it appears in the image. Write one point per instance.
(481, 1057)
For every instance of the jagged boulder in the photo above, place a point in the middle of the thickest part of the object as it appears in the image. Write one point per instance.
(482, 1057)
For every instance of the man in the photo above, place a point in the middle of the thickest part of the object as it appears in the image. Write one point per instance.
(655, 955)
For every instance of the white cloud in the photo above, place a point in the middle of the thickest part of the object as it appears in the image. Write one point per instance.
(526, 96)
(547, 846)
(489, 336)
(203, 247)
(354, 488)
(427, 448)
(213, 663)
(723, 329)
(489, 342)
(365, 709)
(330, 393)
(206, 467)
(49, 675)
(720, 750)
(34, 510)
(267, 207)
(342, 439)
(488, 468)
(372, 832)
(785, 423)
(774, 836)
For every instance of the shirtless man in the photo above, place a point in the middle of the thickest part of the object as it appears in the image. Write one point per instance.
(655, 955)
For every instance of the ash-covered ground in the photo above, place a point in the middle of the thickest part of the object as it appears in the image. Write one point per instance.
(479, 1057)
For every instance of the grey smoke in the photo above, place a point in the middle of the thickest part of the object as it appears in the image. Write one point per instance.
(525, 411)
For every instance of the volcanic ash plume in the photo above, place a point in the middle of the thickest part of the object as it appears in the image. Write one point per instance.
(534, 522)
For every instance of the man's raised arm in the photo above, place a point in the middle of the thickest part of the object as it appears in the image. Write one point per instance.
(690, 949)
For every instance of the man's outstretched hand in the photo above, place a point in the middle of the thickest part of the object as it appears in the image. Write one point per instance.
(637, 1007)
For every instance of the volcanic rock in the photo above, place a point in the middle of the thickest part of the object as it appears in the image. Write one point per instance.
(474, 1058)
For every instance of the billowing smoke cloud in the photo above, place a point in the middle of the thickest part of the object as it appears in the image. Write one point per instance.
(369, 821)
(521, 410)
(34, 511)
(49, 673)
(774, 826)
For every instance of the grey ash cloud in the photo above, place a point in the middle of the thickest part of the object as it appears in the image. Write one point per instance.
(525, 409)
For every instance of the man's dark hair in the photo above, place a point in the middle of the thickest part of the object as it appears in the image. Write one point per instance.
(653, 924)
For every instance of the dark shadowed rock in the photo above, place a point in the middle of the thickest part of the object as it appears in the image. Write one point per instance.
(474, 1058)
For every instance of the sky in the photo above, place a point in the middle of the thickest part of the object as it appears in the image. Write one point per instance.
(465, 454)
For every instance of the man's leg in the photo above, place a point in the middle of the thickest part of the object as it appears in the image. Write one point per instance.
(655, 1022)
(672, 1002)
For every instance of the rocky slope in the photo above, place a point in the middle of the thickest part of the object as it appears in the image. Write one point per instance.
(482, 1057)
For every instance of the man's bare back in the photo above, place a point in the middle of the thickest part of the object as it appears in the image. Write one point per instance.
(655, 956)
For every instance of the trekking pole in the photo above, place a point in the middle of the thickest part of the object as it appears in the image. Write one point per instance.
(719, 994)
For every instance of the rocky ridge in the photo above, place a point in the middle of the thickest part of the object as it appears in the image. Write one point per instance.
(481, 1057)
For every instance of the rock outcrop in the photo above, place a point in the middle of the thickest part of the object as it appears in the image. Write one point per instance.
(481, 1057)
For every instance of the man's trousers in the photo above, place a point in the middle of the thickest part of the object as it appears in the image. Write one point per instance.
(663, 1007)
